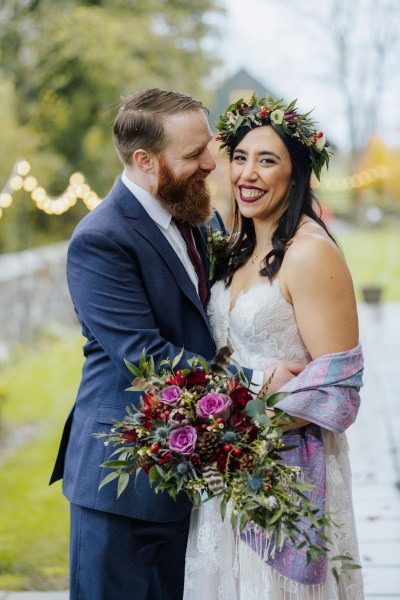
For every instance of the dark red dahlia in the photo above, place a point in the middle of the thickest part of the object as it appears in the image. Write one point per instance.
(196, 377)
(240, 397)
(195, 459)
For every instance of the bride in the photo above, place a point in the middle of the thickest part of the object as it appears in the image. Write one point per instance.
(284, 294)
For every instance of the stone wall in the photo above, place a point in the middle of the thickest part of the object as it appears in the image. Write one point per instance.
(33, 294)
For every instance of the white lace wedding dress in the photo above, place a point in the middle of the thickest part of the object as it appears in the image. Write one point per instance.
(219, 565)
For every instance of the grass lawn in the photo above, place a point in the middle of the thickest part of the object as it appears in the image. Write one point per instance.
(36, 392)
(373, 257)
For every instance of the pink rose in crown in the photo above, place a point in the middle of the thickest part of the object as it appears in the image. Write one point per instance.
(213, 403)
(183, 440)
(170, 395)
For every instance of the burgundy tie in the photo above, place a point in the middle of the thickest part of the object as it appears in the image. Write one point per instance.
(186, 233)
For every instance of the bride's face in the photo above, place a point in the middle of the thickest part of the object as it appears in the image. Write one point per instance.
(261, 174)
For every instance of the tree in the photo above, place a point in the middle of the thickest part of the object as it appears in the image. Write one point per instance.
(360, 40)
(383, 164)
(72, 62)
(64, 67)
(21, 221)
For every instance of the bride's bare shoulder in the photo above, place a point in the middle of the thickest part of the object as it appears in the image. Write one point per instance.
(313, 261)
(311, 243)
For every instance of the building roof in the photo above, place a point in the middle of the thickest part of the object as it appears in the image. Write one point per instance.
(239, 85)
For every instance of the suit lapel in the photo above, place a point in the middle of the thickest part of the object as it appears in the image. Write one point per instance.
(148, 229)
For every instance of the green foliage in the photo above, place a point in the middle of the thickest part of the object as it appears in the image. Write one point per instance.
(37, 391)
(64, 67)
(71, 62)
(373, 259)
(22, 223)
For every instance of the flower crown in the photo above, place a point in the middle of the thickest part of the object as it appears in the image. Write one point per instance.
(284, 119)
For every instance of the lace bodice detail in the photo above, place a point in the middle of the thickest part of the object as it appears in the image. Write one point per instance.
(261, 326)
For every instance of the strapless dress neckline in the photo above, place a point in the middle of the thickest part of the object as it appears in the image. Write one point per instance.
(261, 326)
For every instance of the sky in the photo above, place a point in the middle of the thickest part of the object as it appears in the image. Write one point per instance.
(293, 56)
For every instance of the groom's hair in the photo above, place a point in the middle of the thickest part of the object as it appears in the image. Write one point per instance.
(140, 120)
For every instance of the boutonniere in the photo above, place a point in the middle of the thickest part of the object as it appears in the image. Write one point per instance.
(216, 242)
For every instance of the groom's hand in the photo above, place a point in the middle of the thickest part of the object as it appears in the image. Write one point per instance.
(281, 374)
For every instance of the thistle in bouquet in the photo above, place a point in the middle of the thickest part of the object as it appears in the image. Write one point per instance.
(200, 431)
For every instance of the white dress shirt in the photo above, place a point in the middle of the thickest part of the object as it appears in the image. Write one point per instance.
(163, 219)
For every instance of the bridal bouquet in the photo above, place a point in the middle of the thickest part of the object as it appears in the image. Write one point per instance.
(200, 431)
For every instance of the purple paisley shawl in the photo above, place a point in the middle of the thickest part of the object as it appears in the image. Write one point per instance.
(326, 393)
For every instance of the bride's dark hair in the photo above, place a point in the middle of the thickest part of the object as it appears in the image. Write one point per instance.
(301, 202)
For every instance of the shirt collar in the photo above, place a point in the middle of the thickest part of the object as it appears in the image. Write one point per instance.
(154, 209)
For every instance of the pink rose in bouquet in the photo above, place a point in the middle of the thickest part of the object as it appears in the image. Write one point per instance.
(213, 403)
(183, 440)
(170, 395)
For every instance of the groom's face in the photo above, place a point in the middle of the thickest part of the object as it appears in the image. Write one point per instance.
(183, 167)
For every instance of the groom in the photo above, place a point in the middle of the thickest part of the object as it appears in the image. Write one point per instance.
(137, 275)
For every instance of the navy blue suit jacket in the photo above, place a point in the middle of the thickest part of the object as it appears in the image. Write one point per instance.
(130, 292)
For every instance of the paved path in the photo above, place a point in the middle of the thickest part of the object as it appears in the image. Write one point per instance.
(375, 458)
(375, 452)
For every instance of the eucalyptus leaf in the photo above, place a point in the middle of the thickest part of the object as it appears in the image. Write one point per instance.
(142, 361)
(278, 538)
(341, 557)
(150, 367)
(263, 420)
(116, 464)
(222, 507)
(165, 361)
(238, 123)
(108, 478)
(137, 472)
(177, 358)
(203, 364)
(135, 388)
(313, 520)
(255, 408)
(161, 472)
(243, 521)
(133, 368)
(350, 566)
(118, 451)
(154, 474)
(287, 447)
(122, 483)
(276, 516)
(251, 505)
(277, 397)
(300, 546)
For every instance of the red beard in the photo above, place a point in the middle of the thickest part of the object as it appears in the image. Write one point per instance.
(187, 200)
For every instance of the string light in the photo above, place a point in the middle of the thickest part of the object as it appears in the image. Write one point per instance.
(358, 180)
(78, 189)
(20, 179)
